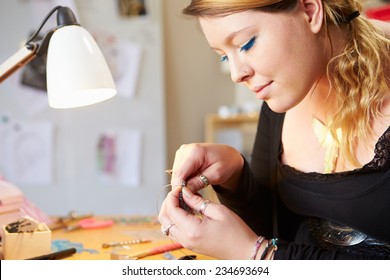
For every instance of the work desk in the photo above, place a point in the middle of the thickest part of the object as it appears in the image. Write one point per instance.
(89, 242)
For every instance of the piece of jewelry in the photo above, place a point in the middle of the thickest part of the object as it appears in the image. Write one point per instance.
(169, 171)
(341, 235)
(204, 180)
(256, 248)
(203, 207)
(166, 230)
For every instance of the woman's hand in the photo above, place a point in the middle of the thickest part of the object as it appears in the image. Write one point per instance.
(218, 232)
(220, 164)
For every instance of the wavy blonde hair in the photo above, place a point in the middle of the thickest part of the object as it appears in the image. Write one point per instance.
(359, 76)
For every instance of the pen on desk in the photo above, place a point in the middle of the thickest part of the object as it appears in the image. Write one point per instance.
(146, 253)
(56, 255)
(124, 243)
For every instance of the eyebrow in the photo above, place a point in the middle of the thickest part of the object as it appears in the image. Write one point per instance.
(232, 35)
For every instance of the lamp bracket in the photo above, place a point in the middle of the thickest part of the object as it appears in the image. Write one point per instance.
(34, 47)
(65, 17)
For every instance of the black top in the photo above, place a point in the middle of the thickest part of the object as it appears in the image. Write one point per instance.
(279, 201)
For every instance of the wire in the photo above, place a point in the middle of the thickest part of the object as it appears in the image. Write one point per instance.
(163, 190)
(42, 24)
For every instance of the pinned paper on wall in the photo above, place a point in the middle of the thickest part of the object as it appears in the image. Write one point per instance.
(26, 151)
(131, 56)
(123, 59)
(119, 157)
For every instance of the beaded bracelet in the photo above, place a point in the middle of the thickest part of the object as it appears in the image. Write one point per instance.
(271, 245)
(274, 247)
(256, 247)
(264, 252)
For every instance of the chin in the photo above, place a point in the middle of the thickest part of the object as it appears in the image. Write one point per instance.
(277, 107)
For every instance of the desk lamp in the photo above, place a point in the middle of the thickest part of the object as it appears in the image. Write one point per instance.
(76, 71)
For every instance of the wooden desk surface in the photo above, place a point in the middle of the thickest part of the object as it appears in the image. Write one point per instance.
(89, 241)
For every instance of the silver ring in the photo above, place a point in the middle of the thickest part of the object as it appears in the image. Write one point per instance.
(204, 180)
(166, 230)
(203, 207)
(182, 183)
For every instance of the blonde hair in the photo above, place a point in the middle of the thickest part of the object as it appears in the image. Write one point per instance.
(359, 76)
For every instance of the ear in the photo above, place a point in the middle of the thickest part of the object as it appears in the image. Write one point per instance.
(314, 13)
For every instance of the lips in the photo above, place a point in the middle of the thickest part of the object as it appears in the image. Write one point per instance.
(262, 91)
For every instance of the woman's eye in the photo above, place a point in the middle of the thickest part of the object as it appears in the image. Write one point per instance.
(248, 45)
(224, 58)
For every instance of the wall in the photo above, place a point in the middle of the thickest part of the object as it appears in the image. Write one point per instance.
(76, 184)
(195, 84)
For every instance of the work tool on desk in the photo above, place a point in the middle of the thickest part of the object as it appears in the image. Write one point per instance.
(65, 221)
(145, 253)
(90, 223)
(125, 243)
(58, 255)
(169, 256)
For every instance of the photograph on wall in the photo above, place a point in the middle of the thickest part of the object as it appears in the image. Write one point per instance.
(132, 8)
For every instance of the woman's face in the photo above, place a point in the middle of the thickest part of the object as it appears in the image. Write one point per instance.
(277, 56)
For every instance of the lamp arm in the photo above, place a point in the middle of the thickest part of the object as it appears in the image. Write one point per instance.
(28, 52)
(16, 61)
(34, 48)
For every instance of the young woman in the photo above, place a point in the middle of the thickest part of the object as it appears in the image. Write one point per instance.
(318, 185)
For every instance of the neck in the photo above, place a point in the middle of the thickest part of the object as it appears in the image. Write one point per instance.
(320, 102)
(321, 99)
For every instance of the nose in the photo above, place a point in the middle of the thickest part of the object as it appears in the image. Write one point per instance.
(240, 72)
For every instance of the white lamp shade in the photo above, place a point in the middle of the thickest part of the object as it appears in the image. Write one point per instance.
(77, 73)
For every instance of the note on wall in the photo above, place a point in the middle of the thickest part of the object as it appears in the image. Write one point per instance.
(123, 59)
(26, 150)
(119, 157)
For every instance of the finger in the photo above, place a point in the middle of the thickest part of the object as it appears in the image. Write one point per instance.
(198, 182)
(165, 229)
(203, 206)
(171, 200)
(175, 202)
(166, 219)
(175, 233)
(182, 219)
(189, 161)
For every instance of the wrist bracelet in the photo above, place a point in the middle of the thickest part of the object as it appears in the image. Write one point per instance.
(256, 247)
(274, 247)
(265, 252)
(271, 245)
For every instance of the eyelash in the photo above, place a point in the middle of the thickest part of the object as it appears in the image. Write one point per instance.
(248, 45)
(244, 48)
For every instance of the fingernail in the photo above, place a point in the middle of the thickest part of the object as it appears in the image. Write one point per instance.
(186, 191)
